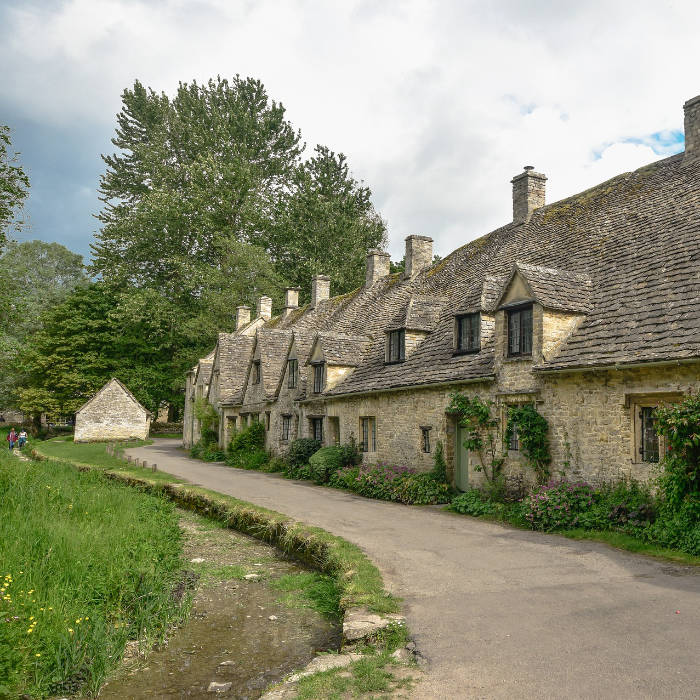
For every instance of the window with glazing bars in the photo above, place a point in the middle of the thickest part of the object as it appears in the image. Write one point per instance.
(319, 371)
(514, 443)
(397, 346)
(317, 428)
(649, 448)
(286, 427)
(520, 331)
(256, 372)
(368, 432)
(425, 432)
(292, 368)
(468, 333)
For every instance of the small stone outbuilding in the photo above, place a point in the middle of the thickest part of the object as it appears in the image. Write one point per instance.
(113, 413)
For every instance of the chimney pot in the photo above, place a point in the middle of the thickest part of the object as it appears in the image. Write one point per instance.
(691, 123)
(528, 193)
(377, 266)
(291, 300)
(265, 308)
(242, 316)
(320, 289)
(419, 255)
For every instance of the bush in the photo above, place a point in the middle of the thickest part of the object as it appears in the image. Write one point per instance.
(344, 478)
(328, 460)
(472, 502)
(302, 471)
(300, 451)
(379, 480)
(422, 489)
(208, 451)
(275, 464)
(249, 439)
(559, 504)
(439, 472)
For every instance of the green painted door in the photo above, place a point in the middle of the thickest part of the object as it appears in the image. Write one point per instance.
(461, 460)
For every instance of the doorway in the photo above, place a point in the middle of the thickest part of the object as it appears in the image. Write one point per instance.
(461, 459)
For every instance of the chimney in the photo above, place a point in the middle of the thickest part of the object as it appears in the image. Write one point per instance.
(291, 300)
(242, 316)
(419, 255)
(377, 266)
(320, 289)
(265, 308)
(528, 194)
(691, 122)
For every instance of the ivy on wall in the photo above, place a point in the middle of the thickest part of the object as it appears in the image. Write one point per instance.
(533, 435)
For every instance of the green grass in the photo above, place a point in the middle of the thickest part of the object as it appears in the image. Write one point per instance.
(218, 572)
(172, 436)
(94, 453)
(86, 565)
(309, 590)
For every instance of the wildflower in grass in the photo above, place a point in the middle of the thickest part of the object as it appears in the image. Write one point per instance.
(37, 654)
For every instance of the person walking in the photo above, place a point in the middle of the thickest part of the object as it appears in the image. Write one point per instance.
(12, 438)
(22, 438)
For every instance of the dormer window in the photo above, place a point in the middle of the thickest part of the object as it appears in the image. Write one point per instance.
(292, 371)
(396, 351)
(319, 376)
(256, 372)
(520, 331)
(468, 333)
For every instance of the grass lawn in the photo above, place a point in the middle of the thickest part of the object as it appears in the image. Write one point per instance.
(94, 453)
(85, 566)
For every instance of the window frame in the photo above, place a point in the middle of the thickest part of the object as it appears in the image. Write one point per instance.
(510, 316)
(368, 434)
(256, 372)
(425, 439)
(514, 442)
(475, 316)
(286, 427)
(644, 414)
(319, 377)
(400, 335)
(317, 421)
(292, 373)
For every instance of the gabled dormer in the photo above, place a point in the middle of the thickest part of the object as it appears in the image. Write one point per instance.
(332, 358)
(293, 379)
(266, 365)
(411, 326)
(538, 309)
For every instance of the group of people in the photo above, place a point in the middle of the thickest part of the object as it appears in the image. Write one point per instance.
(19, 439)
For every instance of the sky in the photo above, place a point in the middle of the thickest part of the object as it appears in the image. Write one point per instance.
(436, 103)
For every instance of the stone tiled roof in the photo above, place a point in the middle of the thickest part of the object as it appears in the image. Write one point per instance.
(274, 346)
(114, 381)
(342, 349)
(235, 352)
(557, 289)
(420, 314)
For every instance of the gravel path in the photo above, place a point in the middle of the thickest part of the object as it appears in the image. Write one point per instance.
(498, 612)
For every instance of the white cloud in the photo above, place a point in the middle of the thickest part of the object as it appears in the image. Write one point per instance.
(436, 104)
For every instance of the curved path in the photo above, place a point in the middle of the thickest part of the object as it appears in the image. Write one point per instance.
(498, 612)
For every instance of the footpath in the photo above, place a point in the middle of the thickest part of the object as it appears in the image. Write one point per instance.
(499, 612)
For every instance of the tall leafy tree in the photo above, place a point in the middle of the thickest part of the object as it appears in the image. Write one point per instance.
(328, 225)
(14, 186)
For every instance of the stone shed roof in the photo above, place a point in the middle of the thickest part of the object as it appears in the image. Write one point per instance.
(342, 349)
(420, 314)
(114, 382)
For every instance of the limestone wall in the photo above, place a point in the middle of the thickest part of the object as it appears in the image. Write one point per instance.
(111, 415)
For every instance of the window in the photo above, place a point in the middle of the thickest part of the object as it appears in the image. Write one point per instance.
(267, 420)
(292, 369)
(256, 372)
(649, 447)
(468, 333)
(425, 438)
(317, 428)
(520, 331)
(514, 442)
(319, 372)
(368, 434)
(397, 346)
(286, 427)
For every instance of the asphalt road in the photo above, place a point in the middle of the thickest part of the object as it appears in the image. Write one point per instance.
(498, 612)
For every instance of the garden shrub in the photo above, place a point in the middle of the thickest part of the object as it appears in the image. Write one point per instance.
(439, 472)
(472, 502)
(422, 489)
(301, 471)
(208, 451)
(246, 448)
(558, 504)
(300, 451)
(328, 460)
(344, 478)
(275, 464)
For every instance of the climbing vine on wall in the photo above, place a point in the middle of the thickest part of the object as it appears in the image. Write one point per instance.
(533, 436)
(208, 419)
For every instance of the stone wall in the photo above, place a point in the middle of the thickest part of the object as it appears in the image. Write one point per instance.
(111, 415)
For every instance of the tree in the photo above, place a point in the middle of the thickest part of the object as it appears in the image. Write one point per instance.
(328, 225)
(14, 186)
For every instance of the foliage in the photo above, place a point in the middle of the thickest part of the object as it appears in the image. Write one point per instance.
(422, 489)
(208, 419)
(246, 449)
(439, 471)
(475, 415)
(328, 460)
(558, 504)
(300, 451)
(79, 575)
(310, 590)
(473, 502)
(533, 432)
(14, 187)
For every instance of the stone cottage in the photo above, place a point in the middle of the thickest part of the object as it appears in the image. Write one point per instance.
(588, 308)
(113, 413)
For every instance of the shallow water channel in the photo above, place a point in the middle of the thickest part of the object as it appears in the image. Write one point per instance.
(241, 630)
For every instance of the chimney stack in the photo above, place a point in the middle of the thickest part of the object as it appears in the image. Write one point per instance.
(291, 300)
(419, 255)
(528, 194)
(265, 308)
(242, 316)
(377, 266)
(320, 289)
(691, 122)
